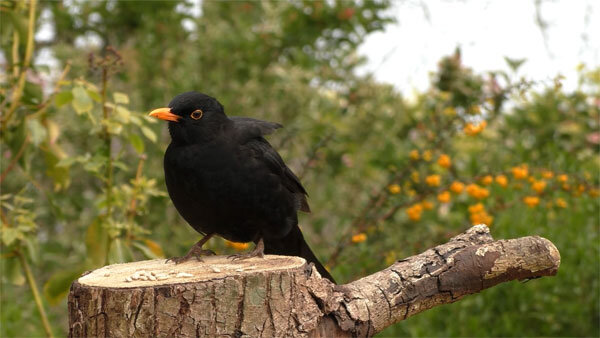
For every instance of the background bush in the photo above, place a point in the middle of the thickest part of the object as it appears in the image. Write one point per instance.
(388, 177)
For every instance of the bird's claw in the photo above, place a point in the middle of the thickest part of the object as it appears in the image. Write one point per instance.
(207, 252)
(192, 254)
(240, 256)
(259, 251)
(177, 260)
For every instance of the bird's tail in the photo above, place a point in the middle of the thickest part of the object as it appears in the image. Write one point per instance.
(293, 244)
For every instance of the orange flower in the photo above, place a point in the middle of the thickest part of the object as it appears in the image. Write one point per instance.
(473, 130)
(502, 180)
(472, 188)
(594, 192)
(547, 174)
(481, 218)
(237, 246)
(487, 180)
(538, 186)
(444, 161)
(394, 189)
(427, 155)
(561, 203)
(359, 238)
(531, 201)
(444, 197)
(562, 178)
(414, 212)
(433, 180)
(482, 193)
(427, 205)
(476, 208)
(414, 155)
(478, 215)
(520, 172)
(457, 187)
(477, 192)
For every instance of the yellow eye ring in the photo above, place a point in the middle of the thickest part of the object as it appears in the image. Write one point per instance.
(196, 114)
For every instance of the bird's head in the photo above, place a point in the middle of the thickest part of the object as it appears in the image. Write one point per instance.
(193, 117)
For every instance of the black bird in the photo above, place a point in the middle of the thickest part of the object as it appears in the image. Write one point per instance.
(225, 179)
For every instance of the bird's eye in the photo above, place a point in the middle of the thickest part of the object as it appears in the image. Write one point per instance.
(196, 114)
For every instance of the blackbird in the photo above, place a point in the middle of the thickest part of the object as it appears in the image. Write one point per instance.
(225, 179)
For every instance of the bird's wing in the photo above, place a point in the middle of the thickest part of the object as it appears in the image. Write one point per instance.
(250, 134)
(263, 151)
(249, 128)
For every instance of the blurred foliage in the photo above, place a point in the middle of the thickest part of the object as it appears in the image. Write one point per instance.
(81, 170)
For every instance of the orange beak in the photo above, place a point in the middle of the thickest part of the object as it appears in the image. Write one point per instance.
(164, 114)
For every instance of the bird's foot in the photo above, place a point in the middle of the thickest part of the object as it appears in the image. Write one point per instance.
(245, 255)
(257, 252)
(194, 252)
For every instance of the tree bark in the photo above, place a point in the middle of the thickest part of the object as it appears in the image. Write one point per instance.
(284, 296)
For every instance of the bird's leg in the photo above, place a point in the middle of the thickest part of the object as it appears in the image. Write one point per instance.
(196, 251)
(259, 251)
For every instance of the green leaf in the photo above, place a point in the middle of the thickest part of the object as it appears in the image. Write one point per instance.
(32, 250)
(514, 64)
(113, 127)
(136, 143)
(63, 98)
(149, 133)
(81, 100)
(32, 93)
(66, 162)
(135, 119)
(118, 253)
(42, 68)
(122, 114)
(121, 98)
(13, 272)
(37, 131)
(94, 164)
(59, 174)
(17, 136)
(53, 133)
(57, 286)
(120, 165)
(154, 247)
(19, 23)
(10, 235)
(94, 95)
(146, 251)
(96, 242)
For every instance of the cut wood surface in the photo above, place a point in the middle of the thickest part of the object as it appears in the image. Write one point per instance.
(159, 272)
(283, 296)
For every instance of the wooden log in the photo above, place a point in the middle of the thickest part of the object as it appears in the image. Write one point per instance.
(280, 296)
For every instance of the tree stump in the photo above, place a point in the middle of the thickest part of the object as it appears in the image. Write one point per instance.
(279, 296)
